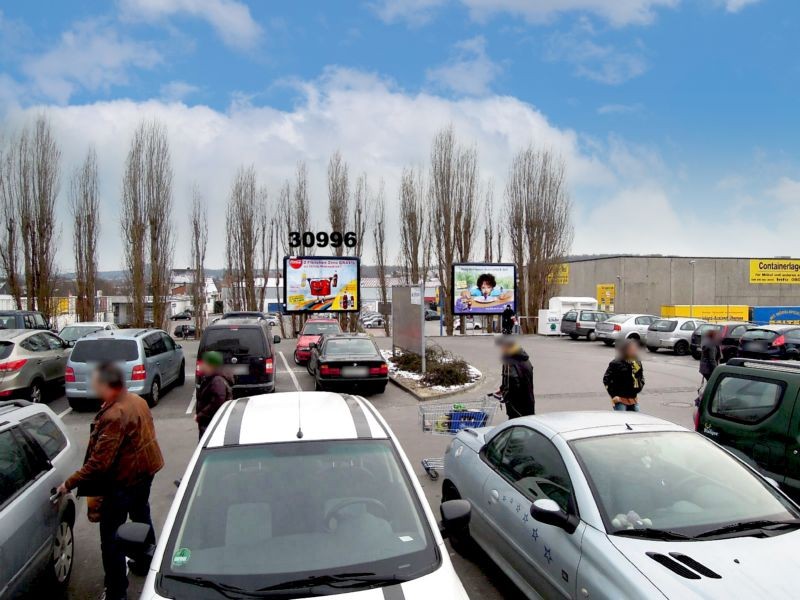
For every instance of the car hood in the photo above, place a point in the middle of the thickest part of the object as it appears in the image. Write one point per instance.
(747, 567)
(304, 340)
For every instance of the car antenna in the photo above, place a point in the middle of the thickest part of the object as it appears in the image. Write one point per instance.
(629, 427)
(299, 424)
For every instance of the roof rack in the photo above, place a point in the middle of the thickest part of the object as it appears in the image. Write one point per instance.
(19, 403)
(765, 364)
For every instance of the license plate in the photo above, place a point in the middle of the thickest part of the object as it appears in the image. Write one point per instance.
(240, 369)
(355, 371)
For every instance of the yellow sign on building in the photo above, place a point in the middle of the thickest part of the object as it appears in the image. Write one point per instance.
(606, 296)
(775, 271)
(708, 312)
(560, 274)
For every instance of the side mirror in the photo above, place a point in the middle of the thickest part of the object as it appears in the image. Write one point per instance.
(276, 339)
(70, 343)
(455, 516)
(548, 511)
(135, 539)
(178, 346)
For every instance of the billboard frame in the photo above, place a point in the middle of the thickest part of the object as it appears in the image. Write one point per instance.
(452, 298)
(289, 311)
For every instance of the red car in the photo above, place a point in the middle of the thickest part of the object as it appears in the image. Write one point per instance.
(312, 333)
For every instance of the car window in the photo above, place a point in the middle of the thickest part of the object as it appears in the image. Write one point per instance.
(663, 325)
(233, 340)
(106, 349)
(75, 332)
(39, 320)
(18, 465)
(534, 466)
(759, 335)
(493, 451)
(738, 331)
(744, 399)
(53, 343)
(44, 430)
(571, 316)
(35, 343)
(154, 345)
(688, 326)
(644, 320)
(168, 341)
(29, 322)
(349, 346)
(5, 349)
(618, 318)
(8, 322)
(320, 328)
(793, 335)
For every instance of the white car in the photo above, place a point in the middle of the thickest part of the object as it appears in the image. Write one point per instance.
(299, 495)
(471, 323)
(624, 327)
(608, 505)
(672, 334)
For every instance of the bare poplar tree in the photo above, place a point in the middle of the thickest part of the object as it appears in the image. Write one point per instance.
(198, 225)
(85, 209)
(133, 224)
(9, 225)
(379, 239)
(243, 233)
(412, 224)
(284, 223)
(266, 216)
(302, 220)
(338, 196)
(361, 214)
(489, 230)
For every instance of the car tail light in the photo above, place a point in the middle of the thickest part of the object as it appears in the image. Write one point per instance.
(381, 370)
(197, 372)
(12, 365)
(139, 373)
(269, 366)
(779, 341)
(578, 324)
(69, 375)
(329, 371)
(617, 327)
(5, 393)
(697, 419)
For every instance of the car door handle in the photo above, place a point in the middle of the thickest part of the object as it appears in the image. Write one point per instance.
(494, 496)
(54, 495)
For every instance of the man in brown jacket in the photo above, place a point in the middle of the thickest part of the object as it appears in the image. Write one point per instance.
(122, 457)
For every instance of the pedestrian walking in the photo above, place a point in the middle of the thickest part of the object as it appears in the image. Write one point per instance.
(121, 460)
(507, 320)
(214, 391)
(710, 353)
(624, 377)
(516, 388)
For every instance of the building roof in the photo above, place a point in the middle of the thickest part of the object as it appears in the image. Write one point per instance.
(272, 418)
(576, 259)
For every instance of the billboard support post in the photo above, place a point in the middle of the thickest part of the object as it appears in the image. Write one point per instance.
(422, 321)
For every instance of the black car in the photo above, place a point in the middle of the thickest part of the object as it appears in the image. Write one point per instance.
(771, 342)
(243, 314)
(729, 334)
(431, 315)
(22, 319)
(348, 362)
(185, 331)
(247, 349)
(184, 315)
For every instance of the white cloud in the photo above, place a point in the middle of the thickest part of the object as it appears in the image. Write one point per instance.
(413, 12)
(230, 19)
(470, 71)
(90, 55)
(734, 6)
(619, 109)
(177, 90)
(787, 190)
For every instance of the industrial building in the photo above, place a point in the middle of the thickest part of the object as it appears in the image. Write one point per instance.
(628, 283)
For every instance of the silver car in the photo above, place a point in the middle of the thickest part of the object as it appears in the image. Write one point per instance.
(150, 358)
(607, 505)
(624, 327)
(37, 547)
(672, 334)
(31, 363)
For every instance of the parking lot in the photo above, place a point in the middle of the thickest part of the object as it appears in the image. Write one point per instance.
(567, 377)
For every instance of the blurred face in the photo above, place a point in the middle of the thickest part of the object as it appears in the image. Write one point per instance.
(630, 351)
(103, 391)
(207, 369)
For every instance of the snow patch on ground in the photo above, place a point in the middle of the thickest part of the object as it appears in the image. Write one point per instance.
(474, 376)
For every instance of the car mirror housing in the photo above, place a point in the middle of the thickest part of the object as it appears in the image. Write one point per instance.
(276, 339)
(134, 539)
(455, 516)
(548, 511)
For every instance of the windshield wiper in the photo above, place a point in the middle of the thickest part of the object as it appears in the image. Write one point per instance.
(761, 524)
(652, 534)
(229, 591)
(338, 580)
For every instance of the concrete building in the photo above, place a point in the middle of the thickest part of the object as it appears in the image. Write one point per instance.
(646, 283)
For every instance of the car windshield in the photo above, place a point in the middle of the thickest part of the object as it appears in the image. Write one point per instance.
(759, 335)
(317, 328)
(676, 481)
(663, 325)
(706, 327)
(245, 341)
(348, 347)
(75, 332)
(265, 515)
(104, 350)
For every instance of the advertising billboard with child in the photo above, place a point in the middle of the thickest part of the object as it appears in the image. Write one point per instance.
(483, 289)
(321, 283)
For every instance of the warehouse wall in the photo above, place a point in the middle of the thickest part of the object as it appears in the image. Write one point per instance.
(647, 283)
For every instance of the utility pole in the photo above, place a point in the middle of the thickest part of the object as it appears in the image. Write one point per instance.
(691, 306)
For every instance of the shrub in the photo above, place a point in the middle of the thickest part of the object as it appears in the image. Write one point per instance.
(441, 366)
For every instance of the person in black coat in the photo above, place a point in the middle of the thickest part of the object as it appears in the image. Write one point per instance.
(507, 320)
(710, 354)
(624, 377)
(214, 390)
(516, 388)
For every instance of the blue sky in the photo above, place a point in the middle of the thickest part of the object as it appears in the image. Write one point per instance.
(670, 114)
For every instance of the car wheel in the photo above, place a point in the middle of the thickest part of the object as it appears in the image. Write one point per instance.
(462, 541)
(63, 555)
(681, 348)
(653, 349)
(36, 391)
(591, 336)
(608, 342)
(181, 374)
(155, 393)
(573, 336)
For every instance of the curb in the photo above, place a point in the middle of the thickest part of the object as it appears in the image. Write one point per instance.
(439, 395)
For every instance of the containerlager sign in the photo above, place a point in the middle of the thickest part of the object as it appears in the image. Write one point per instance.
(774, 270)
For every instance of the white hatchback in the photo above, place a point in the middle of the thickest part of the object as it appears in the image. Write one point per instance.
(300, 495)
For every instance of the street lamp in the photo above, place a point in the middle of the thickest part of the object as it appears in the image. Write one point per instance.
(691, 306)
(618, 294)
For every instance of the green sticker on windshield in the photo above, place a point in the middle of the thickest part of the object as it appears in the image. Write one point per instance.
(181, 557)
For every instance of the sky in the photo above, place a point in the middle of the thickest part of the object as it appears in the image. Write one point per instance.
(678, 120)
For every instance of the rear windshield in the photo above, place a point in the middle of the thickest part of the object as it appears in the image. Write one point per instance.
(708, 327)
(239, 341)
(759, 334)
(105, 350)
(74, 332)
(352, 346)
(319, 328)
(664, 325)
(618, 318)
(8, 322)
(5, 349)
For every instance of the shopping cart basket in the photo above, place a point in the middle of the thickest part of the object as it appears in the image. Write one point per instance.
(448, 418)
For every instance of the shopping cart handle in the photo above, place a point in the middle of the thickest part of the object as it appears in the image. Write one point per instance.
(495, 396)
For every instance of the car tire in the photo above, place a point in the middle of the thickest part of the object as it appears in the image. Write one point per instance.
(608, 343)
(681, 348)
(154, 397)
(573, 336)
(36, 391)
(379, 389)
(652, 349)
(181, 375)
(591, 336)
(695, 355)
(63, 556)
(317, 385)
(462, 542)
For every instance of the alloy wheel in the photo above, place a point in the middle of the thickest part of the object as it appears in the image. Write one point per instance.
(63, 552)
(36, 393)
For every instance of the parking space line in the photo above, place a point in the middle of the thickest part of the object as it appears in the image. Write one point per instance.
(291, 373)
(64, 412)
(190, 409)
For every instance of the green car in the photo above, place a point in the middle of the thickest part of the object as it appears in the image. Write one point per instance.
(751, 408)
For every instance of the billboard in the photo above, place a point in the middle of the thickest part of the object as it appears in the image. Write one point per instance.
(559, 275)
(708, 312)
(321, 283)
(774, 271)
(606, 296)
(775, 315)
(483, 289)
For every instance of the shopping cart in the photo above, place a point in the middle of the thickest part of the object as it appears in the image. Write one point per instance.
(448, 418)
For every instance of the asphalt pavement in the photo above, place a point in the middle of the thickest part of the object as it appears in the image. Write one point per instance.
(568, 376)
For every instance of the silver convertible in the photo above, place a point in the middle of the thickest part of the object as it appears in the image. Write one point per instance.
(611, 505)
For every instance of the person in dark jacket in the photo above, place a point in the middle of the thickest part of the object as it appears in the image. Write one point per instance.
(710, 354)
(213, 391)
(121, 460)
(516, 388)
(507, 320)
(624, 377)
